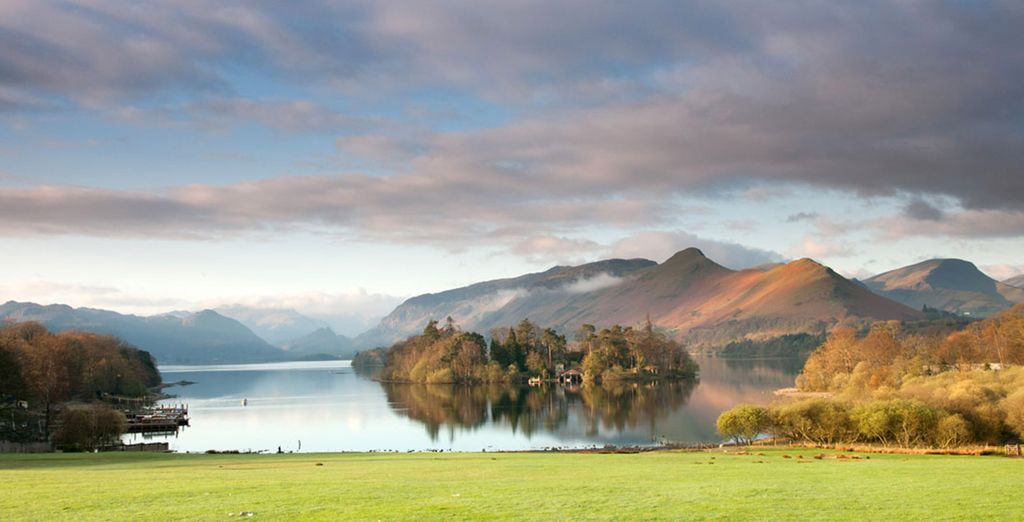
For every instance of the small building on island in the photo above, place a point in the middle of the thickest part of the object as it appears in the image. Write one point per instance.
(571, 376)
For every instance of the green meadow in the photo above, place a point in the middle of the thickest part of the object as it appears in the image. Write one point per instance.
(769, 484)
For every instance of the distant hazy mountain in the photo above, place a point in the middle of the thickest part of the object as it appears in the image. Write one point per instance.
(953, 285)
(183, 338)
(274, 325)
(690, 295)
(1017, 281)
(320, 341)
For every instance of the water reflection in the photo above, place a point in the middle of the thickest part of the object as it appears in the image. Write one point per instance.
(597, 409)
(327, 407)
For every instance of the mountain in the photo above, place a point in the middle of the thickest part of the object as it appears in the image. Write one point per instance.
(183, 338)
(953, 285)
(691, 296)
(475, 304)
(322, 341)
(274, 325)
(1017, 281)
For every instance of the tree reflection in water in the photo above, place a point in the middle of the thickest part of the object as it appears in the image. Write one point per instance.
(549, 408)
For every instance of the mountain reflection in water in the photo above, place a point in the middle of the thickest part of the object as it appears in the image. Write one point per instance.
(327, 407)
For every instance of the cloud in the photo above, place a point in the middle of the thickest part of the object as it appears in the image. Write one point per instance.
(801, 216)
(542, 249)
(973, 224)
(591, 284)
(448, 209)
(347, 313)
(920, 209)
(89, 295)
(220, 112)
(618, 114)
(660, 245)
(1002, 272)
(821, 248)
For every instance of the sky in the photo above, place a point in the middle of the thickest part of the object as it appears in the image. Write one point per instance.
(336, 157)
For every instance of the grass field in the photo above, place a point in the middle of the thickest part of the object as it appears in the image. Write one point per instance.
(497, 486)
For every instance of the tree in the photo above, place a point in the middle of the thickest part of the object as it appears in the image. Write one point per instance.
(555, 345)
(535, 363)
(50, 372)
(907, 423)
(90, 427)
(838, 356)
(430, 332)
(11, 381)
(449, 325)
(744, 423)
(527, 335)
(585, 337)
(514, 350)
(1013, 405)
(952, 431)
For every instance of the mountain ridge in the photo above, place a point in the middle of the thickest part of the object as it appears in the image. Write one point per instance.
(274, 325)
(1017, 281)
(689, 295)
(948, 284)
(322, 341)
(201, 337)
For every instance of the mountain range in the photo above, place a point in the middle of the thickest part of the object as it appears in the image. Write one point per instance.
(177, 338)
(232, 334)
(277, 326)
(319, 342)
(690, 296)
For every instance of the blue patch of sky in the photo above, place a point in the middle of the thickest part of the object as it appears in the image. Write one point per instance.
(83, 149)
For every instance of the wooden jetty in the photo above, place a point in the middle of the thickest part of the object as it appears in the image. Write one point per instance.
(159, 419)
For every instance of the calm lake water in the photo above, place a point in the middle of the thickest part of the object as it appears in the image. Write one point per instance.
(328, 407)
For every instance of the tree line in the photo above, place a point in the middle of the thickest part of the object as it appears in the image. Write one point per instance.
(446, 354)
(618, 353)
(46, 369)
(897, 388)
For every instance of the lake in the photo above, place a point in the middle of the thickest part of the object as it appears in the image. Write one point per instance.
(326, 406)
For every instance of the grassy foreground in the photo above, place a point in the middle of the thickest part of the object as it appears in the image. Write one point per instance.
(657, 485)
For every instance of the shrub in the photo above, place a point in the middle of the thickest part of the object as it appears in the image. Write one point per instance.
(615, 373)
(821, 421)
(952, 431)
(85, 428)
(906, 423)
(744, 423)
(1013, 405)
